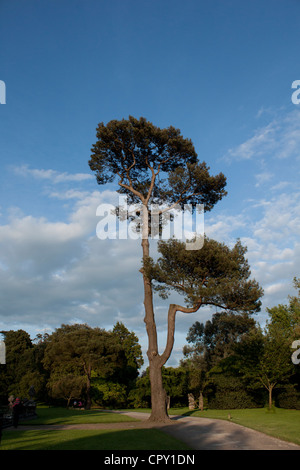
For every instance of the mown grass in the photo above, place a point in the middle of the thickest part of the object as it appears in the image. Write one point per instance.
(141, 439)
(78, 439)
(54, 415)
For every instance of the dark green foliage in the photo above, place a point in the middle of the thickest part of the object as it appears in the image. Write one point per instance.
(132, 354)
(19, 372)
(175, 380)
(288, 397)
(216, 339)
(134, 152)
(72, 363)
(140, 395)
(228, 392)
(215, 275)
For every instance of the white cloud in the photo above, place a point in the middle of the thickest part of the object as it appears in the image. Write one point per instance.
(54, 272)
(52, 175)
(263, 178)
(262, 142)
(279, 139)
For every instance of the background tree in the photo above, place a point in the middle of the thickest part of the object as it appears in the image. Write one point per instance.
(133, 358)
(175, 380)
(216, 339)
(264, 359)
(68, 387)
(153, 166)
(78, 350)
(209, 345)
(19, 362)
(287, 317)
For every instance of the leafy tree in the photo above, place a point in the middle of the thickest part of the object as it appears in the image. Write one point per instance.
(19, 361)
(287, 317)
(264, 359)
(216, 339)
(133, 358)
(67, 387)
(153, 166)
(108, 393)
(210, 344)
(140, 395)
(175, 382)
(78, 350)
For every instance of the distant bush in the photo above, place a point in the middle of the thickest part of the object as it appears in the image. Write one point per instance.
(288, 397)
(229, 392)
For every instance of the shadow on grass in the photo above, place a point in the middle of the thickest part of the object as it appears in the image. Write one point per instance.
(142, 439)
(70, 416)
(189, 413)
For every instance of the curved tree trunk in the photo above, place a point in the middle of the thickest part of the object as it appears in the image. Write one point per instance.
(156, 361)
(158, 393)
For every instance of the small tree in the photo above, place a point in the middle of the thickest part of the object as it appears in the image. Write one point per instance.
(264, 359)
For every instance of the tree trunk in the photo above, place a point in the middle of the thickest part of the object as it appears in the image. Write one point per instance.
(158, 393)
(156, 361)
(201, 403)
(270, 397)
(88, 388)
(159, 412)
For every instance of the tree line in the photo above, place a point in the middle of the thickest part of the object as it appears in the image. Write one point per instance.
(228, 362)
(75, 362)
(235, 363)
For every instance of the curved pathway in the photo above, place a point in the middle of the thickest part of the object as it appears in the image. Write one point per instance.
(217, 434)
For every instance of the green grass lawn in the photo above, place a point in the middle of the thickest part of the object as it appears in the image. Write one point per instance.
(141, 439)
(53, 415)
(75, 439)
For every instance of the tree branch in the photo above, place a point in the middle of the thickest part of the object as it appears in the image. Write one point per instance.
(131, 189)
(173, 309)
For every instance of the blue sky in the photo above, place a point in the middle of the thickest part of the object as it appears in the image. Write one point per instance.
(219, 70)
